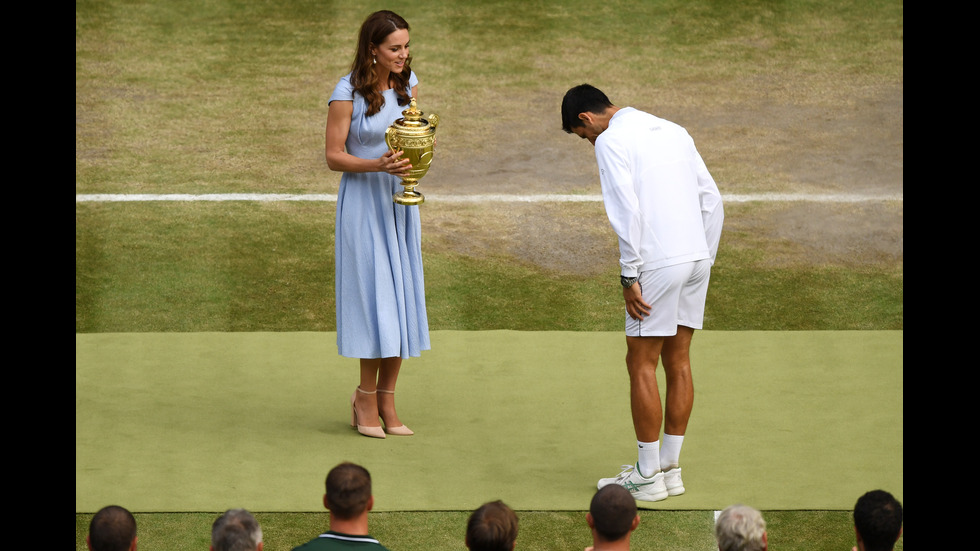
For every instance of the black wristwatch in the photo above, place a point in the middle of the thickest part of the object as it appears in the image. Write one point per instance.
(627, 282)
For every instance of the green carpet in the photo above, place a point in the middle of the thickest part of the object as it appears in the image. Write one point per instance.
(208, 421)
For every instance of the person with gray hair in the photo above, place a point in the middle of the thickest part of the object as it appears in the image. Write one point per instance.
(741, 528)
(236, 530)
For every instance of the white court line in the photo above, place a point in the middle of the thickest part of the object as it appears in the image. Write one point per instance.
(498, 198)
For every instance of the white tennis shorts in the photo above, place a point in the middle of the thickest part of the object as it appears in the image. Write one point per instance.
(676, 295)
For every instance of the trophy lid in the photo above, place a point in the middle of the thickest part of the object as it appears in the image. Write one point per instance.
(413, 117)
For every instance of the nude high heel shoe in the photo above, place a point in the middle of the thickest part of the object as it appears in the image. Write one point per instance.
(400, 430)
(373, 432)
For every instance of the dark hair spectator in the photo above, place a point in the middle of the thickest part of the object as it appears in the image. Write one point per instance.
(877, 521)
(612, 517)
(113, 528)
(348, 498)
(492, 527)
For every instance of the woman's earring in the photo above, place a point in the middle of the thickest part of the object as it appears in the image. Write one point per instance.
(375, 60)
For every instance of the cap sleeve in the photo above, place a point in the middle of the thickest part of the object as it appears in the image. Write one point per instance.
(344, 91)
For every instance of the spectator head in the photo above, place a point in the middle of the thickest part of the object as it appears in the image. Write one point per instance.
(236, 530)
(612, 513)
(877, 521)
(113, 528)
(492, 527)
(348, 491)
(741, 528)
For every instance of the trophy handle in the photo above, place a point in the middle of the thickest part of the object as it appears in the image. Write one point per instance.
(433, 120)
(391, 138)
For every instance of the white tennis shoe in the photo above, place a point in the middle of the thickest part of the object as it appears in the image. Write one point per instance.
(642, 488)
(672, 479)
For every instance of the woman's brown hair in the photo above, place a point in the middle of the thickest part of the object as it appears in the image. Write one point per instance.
(374, 31)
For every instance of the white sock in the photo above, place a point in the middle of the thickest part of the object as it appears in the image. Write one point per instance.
(648, 458)
(671, 452)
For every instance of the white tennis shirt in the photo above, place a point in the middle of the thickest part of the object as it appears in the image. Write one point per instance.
(660, 199)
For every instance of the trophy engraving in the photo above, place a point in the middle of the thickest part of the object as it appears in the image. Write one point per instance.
(415, 137)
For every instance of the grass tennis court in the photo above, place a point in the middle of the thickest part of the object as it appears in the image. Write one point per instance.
(230, 97)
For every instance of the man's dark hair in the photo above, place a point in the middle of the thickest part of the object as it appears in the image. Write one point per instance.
(348, 490)
(613, 510)
(878, 520)
(492, 527)
(113, 528)
(583, 98)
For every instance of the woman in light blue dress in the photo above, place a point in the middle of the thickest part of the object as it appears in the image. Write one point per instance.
(381, 315)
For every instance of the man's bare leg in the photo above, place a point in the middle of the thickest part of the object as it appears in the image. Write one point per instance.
(676, 355)
(679, 403)
(642, 356)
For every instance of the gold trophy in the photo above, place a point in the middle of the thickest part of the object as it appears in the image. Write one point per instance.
(414, 136)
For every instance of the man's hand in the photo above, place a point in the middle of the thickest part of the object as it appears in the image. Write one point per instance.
(636, 307)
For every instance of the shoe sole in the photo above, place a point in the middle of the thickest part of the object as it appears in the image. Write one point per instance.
(639, 496)
(659, 496)
(650, 491)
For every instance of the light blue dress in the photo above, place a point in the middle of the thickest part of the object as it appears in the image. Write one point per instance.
(378, 243)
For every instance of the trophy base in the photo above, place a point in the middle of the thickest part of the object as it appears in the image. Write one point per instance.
(408, 198)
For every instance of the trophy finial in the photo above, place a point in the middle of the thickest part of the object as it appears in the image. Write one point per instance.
(412, 113)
